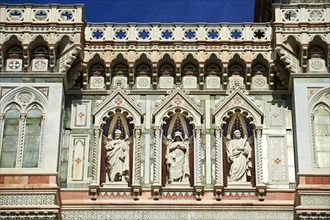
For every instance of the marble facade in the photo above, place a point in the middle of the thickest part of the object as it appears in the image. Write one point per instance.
(156, 108)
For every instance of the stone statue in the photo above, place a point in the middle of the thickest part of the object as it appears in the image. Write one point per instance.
(177, 159)
(239, 157)
(117, 159)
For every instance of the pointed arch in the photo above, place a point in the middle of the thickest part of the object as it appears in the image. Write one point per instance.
(117, 111)
(319, 109)
(238, 111)
(177, 112)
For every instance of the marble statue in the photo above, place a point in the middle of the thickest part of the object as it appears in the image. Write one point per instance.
(239, 157)
(117, 159)
(177, 159)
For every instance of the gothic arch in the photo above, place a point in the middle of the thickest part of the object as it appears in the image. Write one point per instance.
(183, 108)
(238, 106)
(24, 99)
(117, 104)
(319, 100)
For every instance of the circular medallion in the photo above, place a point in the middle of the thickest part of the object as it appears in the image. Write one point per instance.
(24, 98)
(212, 83)
(259, 82)
(316, 65)
(40, 65)
(143, 82)
(14, 65)
(97, 82)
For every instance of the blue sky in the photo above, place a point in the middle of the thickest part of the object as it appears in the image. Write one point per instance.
(145, 11)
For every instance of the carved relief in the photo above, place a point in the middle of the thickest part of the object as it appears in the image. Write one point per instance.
(177, 159)
(238, 127)
(117, 159)
(239, 158)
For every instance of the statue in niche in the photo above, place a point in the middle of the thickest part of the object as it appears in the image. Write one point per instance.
(239, 158)
(177, 159)
(117, 158)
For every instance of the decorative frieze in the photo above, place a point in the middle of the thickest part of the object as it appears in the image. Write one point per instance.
(315, 200)
(175, 214)
(26, 199)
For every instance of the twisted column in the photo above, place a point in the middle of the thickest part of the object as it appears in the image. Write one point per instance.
(42, 140)
(157, 155)
(137, 155)
(258, 146)
(218, 155)
(198, 143)
(95, 153)
(21, 135)
(1, 131)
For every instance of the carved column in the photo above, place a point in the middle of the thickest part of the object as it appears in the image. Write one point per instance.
(178, 73)
(157, 163)
(1, 131)
(94, 187)
(154, 78)
(21, 135)
(52, 58)
(1, 64)
(26, 57)
(198, 187)
(131, 75)
(304, 59)
(97, 132)
(136, 187)
(225, 75)
(248, 78)
(107, 78)
(201, 75)
(260, 186)
(271, 76)
(218, 187)
(85, 76)
(42, 141)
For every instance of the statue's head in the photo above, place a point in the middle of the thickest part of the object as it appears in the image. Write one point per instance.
(117, 134)
(178, 136)
(237, 134)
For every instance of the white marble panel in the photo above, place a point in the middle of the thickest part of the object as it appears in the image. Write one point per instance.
(189, 82)
(213, 82)
(166, 82)
(96, 82)
(80, 114)
(119, 79)
(235, 81)
(259, 82)
(277, 160)
(143, 82)
(39, 65)
(78, 158)
(316, 65)
(14, 65)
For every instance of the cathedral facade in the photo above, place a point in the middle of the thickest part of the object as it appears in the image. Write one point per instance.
(165, 120)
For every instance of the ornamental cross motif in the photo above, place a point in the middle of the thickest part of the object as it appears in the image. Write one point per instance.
(78, 160)
(237, 101)
(81, 115)
(177, 101)
(278, 160)
(275, 115)
(118, 101)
